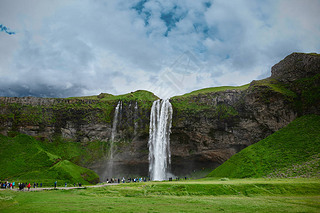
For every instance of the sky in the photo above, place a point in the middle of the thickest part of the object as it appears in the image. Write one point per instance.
(68, 48)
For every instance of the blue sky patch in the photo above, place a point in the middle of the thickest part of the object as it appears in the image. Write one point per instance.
(172, 17)
(5, 29)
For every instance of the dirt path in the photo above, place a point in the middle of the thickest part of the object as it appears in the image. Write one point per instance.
(61, 188)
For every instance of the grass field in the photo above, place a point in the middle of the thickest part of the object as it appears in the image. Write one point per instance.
(205, 195)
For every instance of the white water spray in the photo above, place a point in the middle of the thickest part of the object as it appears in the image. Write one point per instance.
(159, 139)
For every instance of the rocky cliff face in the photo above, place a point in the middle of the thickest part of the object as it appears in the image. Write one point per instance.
(208, 126)
(84, 120)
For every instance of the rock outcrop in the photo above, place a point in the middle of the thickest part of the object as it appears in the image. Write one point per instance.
(208, 126)
(296, 66)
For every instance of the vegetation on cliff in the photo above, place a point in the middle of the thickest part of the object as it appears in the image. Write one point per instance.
(292, 151)
(211, 90)
(133, 96)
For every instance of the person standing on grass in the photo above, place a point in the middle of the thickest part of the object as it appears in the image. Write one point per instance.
(13, 184)
(29, 185)
(55, 184)
(65, 184)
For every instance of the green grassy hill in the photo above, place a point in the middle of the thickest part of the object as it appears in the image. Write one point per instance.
(139, 95)
(293, 151)
(212, 89)
(23, 158)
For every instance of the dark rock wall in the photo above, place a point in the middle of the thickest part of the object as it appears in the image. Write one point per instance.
(207, 136)
(82, 121)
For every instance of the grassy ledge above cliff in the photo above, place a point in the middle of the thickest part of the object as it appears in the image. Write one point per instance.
(293, 151)
(211, 90)
(139, 95)
(193, 102)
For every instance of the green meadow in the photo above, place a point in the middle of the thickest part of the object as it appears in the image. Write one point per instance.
(204, 195)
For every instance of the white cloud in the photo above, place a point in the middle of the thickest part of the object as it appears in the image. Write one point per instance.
(88, 47)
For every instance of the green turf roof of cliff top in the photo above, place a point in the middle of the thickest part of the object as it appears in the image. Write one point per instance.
(137, 95)
(315, 54)
(275, 85)
(213, 89)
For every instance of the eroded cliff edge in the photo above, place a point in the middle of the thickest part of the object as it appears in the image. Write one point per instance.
(208, 125)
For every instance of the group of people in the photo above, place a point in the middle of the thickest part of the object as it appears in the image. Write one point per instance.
(123, 180)
(22, 186)
(135, 180)
(7, 185)
(11, 185)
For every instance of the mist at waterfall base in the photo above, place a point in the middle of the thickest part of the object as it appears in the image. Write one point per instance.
(159, 140)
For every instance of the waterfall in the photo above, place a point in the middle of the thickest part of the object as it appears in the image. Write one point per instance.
(116, 119)
(159, 139)
(135, 119)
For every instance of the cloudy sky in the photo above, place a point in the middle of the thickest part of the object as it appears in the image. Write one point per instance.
(63, 48)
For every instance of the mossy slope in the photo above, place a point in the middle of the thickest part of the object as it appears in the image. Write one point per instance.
(290, 152)
(24, 158)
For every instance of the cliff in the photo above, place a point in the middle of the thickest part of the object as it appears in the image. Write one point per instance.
(211, 125)
(86, 120)
(208, 126)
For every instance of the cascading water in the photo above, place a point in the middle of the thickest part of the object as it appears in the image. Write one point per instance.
(116, 119)
(159, 139)
(135, 118)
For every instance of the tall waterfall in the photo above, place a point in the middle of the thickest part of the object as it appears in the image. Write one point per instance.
(135, 118)
(159, 139)
(116, 119)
